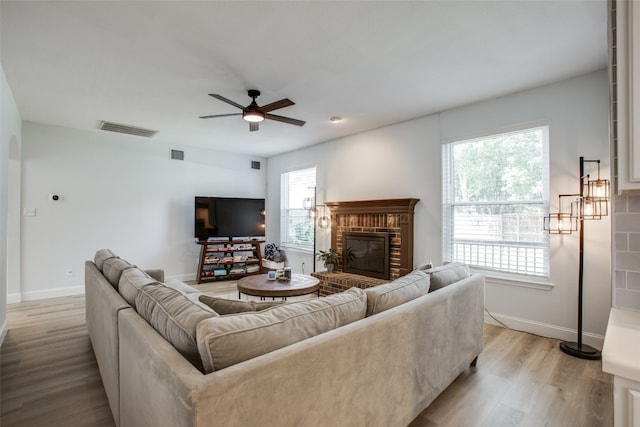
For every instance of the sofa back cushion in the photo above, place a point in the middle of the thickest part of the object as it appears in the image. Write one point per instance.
(131, 280)
(101, 256)
(181, 286)
(401, 290)
(447, 274)
(112, 270)
(174, 316)
(226, 340)
(224, 306)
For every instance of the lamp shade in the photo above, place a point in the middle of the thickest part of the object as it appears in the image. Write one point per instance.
(561, 223)
(324, 221)
(252, 116)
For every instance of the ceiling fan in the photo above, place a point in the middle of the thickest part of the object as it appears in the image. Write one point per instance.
(254, 114)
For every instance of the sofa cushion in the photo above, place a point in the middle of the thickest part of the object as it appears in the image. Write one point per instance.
(181, 286)
(226, 340)
(447, 274)
(131, 280)
(401, 290)
(101, 256)
(228, 306)
(174, 316)
(112, 270)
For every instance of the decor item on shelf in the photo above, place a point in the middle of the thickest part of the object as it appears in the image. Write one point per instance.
(330, 258)
(589, 204)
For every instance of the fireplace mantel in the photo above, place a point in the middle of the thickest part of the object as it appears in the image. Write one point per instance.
(373, 206)
(394, 216)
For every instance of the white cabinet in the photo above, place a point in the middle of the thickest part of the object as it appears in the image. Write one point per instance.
(625, 58)
(620, 359)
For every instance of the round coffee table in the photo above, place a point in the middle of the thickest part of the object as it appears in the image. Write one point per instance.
(258, 285)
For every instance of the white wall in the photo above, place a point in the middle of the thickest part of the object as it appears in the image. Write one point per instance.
(119, 192)
(404, 160)
(10, 138)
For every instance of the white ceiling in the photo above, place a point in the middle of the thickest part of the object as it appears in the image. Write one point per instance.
(151, 64)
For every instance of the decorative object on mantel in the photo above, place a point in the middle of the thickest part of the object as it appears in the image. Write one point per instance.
(590, 203)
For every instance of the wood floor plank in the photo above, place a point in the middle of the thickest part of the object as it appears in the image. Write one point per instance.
(49, 376)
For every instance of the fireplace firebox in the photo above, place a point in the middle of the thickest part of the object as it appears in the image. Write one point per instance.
(370, 254)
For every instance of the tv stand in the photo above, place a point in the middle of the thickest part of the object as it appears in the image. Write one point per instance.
(229, 259)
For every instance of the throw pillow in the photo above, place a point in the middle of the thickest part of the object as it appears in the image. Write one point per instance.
(401, 290)
(224, 306)
(447, 274)
(174, 316)
(227, 340)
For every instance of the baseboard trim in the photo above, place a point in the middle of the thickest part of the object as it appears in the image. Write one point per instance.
(544, 329)
(52, 293)
(13, 298)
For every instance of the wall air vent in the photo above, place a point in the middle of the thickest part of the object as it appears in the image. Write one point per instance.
(255, 164)
(177, 155)
(130, 130)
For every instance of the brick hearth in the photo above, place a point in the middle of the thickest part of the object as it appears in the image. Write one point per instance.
(331, 283)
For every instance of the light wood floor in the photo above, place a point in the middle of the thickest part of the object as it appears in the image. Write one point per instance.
(49, 377)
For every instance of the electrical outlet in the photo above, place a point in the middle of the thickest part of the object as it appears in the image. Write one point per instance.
(69, 272)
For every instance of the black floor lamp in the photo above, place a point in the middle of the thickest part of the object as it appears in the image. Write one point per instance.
(591, 203)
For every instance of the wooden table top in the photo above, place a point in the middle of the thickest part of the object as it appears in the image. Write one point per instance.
(258, 285)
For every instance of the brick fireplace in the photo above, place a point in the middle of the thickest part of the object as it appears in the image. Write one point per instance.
(392, 216)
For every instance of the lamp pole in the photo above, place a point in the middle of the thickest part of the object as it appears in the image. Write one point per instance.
(578, 349)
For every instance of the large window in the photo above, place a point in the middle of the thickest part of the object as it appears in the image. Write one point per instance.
(296, 223)
(494, 192)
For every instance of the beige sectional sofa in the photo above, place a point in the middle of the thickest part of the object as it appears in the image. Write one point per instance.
(374, 357)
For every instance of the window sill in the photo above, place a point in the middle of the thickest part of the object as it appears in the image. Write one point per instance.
(495, 278)
(305, 250)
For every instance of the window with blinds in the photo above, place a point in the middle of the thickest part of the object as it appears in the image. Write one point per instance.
(494, 193)
(296, 222)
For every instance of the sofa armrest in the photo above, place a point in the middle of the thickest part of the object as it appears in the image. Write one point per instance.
(156, 273)
(102, 305)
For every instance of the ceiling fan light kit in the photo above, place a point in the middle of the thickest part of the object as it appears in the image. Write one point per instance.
(254, 114)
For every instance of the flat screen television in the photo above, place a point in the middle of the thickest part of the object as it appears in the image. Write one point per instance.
(228, 217)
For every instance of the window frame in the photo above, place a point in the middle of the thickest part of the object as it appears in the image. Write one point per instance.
(285, 210)
(502, 276)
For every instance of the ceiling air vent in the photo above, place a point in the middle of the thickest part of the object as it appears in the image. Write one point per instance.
(130, 130)
(177, 155)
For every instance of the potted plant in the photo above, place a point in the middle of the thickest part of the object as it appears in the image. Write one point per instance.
(330, 259)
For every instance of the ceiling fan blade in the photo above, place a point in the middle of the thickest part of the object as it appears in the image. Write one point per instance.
(254, 126)
(285, 119)
(220, 115)
(228, 101)
(277, 105)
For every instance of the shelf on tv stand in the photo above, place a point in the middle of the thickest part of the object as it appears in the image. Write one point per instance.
(227, 247)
